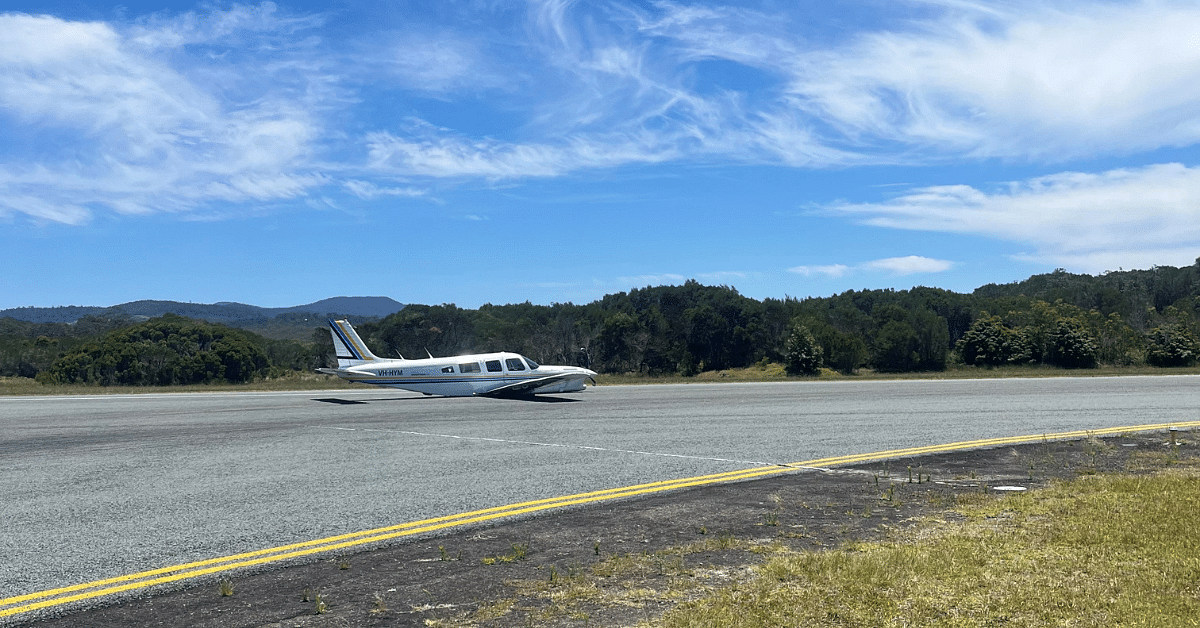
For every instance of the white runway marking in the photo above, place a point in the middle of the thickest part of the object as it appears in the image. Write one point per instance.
(567, 446)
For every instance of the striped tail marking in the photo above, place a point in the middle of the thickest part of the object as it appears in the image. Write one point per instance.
(350, 349)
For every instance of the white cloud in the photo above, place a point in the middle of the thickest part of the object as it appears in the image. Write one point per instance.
(909, 265)
(619, 85)
(1030, 80)
(1012, 79)
(140, 131)
(1085, 221)
(437, 63)
(369, 191)
(175, 112)
(830, 270)
(436, 153)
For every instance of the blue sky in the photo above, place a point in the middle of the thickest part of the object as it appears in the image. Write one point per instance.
(553, 151)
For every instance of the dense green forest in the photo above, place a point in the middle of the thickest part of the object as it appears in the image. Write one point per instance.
(162, 351)
(1124, 318)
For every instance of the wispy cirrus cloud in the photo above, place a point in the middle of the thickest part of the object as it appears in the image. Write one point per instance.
(367, 190)
(1128, 217)
(618, 84)
(908, 265)
(139, 131)
(179, 112)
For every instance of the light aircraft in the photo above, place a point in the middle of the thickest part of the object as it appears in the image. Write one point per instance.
(495, 374)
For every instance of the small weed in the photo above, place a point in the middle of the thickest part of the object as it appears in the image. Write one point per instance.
(379, 605)
(725, 540)
(519, 552)
(225, 587)
(702, 530)
(596, 547)
(344, 564)
(574, 570)
(771, 518)
(307, 595)
(319, 605)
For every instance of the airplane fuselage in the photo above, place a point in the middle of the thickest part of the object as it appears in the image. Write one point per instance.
(460, 376)
(466, 375)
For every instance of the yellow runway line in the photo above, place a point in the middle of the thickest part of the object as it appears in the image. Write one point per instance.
(65, 595)
(990, 442)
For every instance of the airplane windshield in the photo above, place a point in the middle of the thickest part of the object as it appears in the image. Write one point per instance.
(532, 365)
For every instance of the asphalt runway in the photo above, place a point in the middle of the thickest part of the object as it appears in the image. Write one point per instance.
(101, 486)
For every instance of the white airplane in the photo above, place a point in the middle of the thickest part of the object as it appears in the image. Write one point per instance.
(496, 374)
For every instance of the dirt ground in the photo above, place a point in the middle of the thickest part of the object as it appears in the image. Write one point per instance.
(619, 563)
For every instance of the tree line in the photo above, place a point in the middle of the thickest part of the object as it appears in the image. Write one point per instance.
(169, 350)
(1123, 318)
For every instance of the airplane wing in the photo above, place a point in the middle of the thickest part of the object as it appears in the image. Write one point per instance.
(526, 387)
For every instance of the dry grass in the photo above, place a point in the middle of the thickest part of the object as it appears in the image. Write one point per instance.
(774, 373)
(762, 372)
(293, 381)
(1103, 550)
(1100, 550)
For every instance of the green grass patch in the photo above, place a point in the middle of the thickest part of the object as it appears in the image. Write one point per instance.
(1102, 550)
(520, 551)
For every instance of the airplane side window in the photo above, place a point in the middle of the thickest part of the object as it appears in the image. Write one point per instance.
(515, 364)
(468, 367)
(448, 369)
(493, 366)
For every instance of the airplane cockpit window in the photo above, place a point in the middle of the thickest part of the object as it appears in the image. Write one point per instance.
(468, 367)
(515, 364)
(532, 365)
(493, 366)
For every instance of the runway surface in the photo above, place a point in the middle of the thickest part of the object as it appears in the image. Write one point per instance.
(96, 487)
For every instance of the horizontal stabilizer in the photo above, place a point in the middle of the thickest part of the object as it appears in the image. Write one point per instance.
(347, 374)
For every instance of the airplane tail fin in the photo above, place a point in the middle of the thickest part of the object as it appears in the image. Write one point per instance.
(350, 349)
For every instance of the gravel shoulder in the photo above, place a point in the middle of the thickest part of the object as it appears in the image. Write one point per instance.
(619, 563)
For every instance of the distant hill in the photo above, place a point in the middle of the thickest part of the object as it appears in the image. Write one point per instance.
(225, 312)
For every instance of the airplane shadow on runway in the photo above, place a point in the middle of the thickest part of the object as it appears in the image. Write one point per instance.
(530, 398)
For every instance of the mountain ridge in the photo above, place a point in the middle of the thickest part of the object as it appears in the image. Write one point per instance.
(220, 312)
